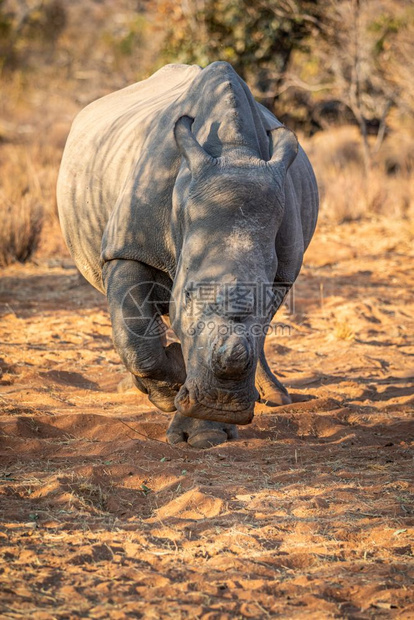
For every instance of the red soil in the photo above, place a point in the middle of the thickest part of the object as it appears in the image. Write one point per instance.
(308, 514)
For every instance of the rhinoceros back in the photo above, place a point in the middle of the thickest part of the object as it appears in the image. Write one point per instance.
(121, 162)
(103, 149)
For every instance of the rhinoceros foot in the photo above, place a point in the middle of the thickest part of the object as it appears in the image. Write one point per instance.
(160, 393)
(272, 392)
(199, 433)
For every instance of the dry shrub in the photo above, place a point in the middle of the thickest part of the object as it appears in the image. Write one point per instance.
(342, 196)
(397, 158)
(34, 125)
(336, 148)
(20, 230)
(22, 210)
(346, 192)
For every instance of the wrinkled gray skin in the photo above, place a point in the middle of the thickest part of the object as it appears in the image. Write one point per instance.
(147, 194)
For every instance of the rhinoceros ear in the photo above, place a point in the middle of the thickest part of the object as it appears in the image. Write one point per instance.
(197, 158)
(284, 148)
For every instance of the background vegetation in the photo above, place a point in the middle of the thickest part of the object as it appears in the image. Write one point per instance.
(339, 72)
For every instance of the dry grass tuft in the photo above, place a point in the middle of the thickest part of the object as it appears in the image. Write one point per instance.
(21, 208)
(27, 199)
(343, 331)
(20, 230)
(90, 496)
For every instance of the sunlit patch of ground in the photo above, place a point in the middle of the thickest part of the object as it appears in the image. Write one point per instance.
(308, 514)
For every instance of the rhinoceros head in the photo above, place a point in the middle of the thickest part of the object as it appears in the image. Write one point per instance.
(227, 212)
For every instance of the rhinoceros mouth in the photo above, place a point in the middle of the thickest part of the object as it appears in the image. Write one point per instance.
(216, 404)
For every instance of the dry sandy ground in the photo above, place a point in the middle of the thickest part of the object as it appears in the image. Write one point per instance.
(307, 515)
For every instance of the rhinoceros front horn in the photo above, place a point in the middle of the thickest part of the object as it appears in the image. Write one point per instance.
(284, 148)
(197, 158)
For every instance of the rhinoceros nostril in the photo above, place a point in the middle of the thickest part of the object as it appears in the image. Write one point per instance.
(238, 354)
(231, 357)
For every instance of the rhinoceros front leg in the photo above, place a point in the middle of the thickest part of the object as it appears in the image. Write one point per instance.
(271, 391)
(136, 303)
(155, 370)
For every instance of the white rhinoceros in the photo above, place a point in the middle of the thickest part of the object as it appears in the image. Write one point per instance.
(182, 195)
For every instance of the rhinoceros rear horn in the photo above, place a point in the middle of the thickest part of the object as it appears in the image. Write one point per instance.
(197, 158)
(284, 148)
